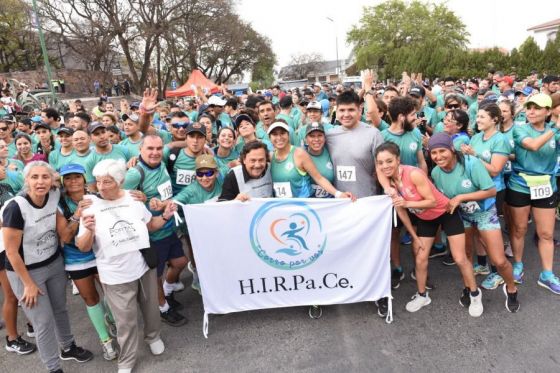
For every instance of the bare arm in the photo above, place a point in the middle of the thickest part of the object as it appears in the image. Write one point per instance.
(534, 144)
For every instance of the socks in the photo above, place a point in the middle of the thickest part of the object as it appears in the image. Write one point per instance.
(164, 308)
(546, 275)
(475, 293)
(481, 260)
(422, 294)
(493, 269)
(96, 315)
(399, 268)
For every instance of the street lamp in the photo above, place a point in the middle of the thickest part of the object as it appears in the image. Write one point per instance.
(336, 44)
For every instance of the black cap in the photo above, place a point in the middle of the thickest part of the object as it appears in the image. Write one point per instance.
(241, 117)
(315, 126)
(42, 125)
(67, 130)
(286, 102)
(417, 91)
(94, 126)
(196, 127)
(133, 117)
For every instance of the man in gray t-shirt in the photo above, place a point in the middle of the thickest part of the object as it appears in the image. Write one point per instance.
(352, 147)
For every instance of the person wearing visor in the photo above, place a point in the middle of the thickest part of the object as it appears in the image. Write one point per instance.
(531, 188)
(292, 168)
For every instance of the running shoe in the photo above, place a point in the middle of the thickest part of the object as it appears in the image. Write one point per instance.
(418, 302)
(508, 250)
(448, 260)
(195, 281)
(110, 324)
(406, 239)
(476, 308)
(30, 331)
(480, 269)
(382, 306)
(465, 299)
(173, 318)
(429, 285)
(518, 272)
(492, 281)
(109, 352)
(552, 283)
(76, 353)
(437, 251)
(20, 346)
(396, 277)
(173, 303)
(157, 347)
(512, 304)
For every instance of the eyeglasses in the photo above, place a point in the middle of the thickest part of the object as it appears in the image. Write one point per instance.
(180, 125)
(453, 106)
(3, 128)
(208, 173)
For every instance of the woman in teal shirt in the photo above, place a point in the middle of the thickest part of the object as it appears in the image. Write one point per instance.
(315, 139)
(225, 153)
(471, 190)
(531, 188)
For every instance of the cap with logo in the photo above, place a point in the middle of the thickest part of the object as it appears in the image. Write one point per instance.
(72, 168)
(42, 125)
(216, 101)
(241, 117)
(417, 91)
(196, 127)
(205, 161)
(67, 130)
(316, 105)
(133, 117)
(526, 91)
(314, 127)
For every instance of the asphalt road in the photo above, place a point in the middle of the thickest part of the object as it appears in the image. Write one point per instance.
(440, 337)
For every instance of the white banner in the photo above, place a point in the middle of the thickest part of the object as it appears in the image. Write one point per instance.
(269, 253)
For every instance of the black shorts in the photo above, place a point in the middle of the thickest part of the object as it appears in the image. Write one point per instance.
(3, 260)
(167, 248)
(82, 273)
(413, 219)
(500, 197)
(451, 224)
(518, 199)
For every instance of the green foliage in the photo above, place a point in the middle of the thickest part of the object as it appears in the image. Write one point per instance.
(398, 36)
(262, 74)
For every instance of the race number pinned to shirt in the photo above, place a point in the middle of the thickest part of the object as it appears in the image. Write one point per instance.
(346, 173)
(165, 190)
(470, 207)
(282, 190)
(507, 167)
(185, 177)
(539, 185)
(319, 192)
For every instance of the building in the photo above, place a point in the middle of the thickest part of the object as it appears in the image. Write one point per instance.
(320, 71)
(545, 31)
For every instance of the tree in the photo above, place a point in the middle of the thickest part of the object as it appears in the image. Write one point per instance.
(262, 74)
(395, 36)
(303, 64)
(530, 56)
(551, 56)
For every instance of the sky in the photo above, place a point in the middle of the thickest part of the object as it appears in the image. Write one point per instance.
(301, 26)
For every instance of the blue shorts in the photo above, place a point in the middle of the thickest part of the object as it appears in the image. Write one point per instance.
(167, 248)
(482, 220)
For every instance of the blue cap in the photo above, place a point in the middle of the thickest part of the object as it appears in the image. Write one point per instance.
(72, 168)
(36, 119)
(526, 91)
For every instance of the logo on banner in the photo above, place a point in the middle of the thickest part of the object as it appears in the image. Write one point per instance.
(287, 235)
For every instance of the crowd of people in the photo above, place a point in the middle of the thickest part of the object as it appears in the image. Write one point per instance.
(92, 196)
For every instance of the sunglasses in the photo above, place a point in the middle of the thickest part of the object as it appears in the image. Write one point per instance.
(453, 106)
(180, 125)
(208, 173)
(3, 128)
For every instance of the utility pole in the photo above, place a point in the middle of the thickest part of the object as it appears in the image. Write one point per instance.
(44, 50)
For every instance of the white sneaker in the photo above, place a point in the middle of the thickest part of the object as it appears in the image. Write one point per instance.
(418, 302)
(109, 352)
(169, 288)
(475, 308)
(157, 347)
(75, 290)
(125, 370)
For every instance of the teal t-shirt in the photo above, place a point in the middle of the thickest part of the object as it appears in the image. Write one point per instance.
(183, 170)
(18, 164)
(133, 147)
(288, 120)
(241, 143)
(300, 133)
(117, 152)
(409, 144)
(193, 115)
(261, 134)
(472, 177)
(223, 161)
(473, 110)
(225, 119)
(296, 115)
(156, 184)
(509, 136)
(195, 193)
(288, 181)
(497, 144)
(533, 163)
(14, 179)
(325, 167)
(460, 139)
(57, 159)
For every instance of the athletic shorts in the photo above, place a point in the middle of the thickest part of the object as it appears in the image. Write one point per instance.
(500, 197)
(167, 248)
(482, 220)
(413, 219)
(82, 273)
(3, 260)
(451, 224)
(518, 199)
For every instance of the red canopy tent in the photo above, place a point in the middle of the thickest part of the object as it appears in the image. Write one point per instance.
(197, 79)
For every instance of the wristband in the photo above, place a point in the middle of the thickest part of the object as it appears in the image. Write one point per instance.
(145, 111)
(338, 194)
(74, 219)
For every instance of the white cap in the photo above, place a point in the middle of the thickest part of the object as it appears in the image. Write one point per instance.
(215, 100)
(277, 125)
(314, 105)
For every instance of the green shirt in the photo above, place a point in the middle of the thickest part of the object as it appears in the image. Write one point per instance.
(409, 143)
(289, 181)
(57, 159)
(133, 147)
(193, 115)
(183, 170)
(195, 193)
(485, 149)
(223, 162)
(288, 120)
(324, 165)
(14, 179)
(156, 184)
(19, 164)
(117, 152)
(472, 177)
